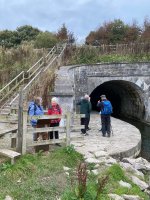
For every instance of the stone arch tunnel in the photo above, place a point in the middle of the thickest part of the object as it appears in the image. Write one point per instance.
(126, 85)
(125, 96)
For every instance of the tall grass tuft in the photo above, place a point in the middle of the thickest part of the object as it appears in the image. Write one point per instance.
(15, 60)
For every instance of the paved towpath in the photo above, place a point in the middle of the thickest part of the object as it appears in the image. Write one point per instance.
(125, 141)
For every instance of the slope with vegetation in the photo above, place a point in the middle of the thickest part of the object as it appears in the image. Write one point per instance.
(62, 174)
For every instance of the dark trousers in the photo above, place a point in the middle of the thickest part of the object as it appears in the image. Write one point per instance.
(84, 121)
(105, 120)
(53, 134)
(88, 121)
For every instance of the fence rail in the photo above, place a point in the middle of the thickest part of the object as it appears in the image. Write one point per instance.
(11, 86)
(21, 142)
(32, 75)
(121, 49)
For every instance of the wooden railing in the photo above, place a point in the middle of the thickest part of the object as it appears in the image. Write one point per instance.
(22, 140)
(55, 61)
(11, 86)
(31, 75)
(42, 62)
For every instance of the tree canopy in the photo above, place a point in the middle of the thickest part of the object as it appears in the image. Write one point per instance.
(117, 31)
(39, 38)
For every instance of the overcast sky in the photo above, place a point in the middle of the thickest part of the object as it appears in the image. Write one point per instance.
(80, 16)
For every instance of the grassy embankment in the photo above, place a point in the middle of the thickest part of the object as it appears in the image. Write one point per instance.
(90, 55)
(42, 177)
(15, 60)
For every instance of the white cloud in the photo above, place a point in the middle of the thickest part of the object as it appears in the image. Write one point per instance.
(80, 16)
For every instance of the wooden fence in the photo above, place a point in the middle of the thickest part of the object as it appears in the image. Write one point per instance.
(120, 49)
(22, 136)
(26, 138)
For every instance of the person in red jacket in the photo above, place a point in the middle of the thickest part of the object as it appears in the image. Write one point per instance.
(54, 109)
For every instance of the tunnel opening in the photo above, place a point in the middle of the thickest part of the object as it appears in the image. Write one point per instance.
(125, 96)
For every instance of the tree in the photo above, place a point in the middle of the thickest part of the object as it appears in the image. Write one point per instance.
(9, 38)
(90, 38)
(117, 32)
(27, 33)
(145, 36)
(114, 32)
(62, 33)
(45, 40)
(133, 33)
(71, 38)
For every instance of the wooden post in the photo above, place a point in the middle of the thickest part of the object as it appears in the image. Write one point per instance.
(44, 58)
(68, 129)
(20, 123)
(13, 142)
(24, 132)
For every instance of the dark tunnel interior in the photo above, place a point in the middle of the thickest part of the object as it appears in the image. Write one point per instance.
(126, 98)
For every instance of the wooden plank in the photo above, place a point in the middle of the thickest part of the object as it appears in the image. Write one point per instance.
(68, 129)
(20, 123)
(77, 128)
(46, 142)
(45, 129)
(9, 153)
(8, 131)
(75, 115)
(13, 142)
(55, 141)
(46, 117)
(24, 132)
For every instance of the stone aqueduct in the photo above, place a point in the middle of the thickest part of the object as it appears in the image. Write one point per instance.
(126, 85)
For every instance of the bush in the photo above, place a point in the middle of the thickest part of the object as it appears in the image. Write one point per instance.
(45, 40)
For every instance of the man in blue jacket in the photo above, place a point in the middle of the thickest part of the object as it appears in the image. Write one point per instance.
(105, 112)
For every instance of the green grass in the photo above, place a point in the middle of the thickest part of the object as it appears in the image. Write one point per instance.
(115, 174)
(37, 176)
(93, 55)
(41, 177)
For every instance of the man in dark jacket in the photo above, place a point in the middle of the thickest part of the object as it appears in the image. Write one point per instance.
(85, 108)
(105, 112)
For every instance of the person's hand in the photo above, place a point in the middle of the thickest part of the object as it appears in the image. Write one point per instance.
(98, 101)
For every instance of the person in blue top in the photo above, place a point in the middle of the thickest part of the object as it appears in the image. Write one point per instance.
(105, 112)
(35, 108)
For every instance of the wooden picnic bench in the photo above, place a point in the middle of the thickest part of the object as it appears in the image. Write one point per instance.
(10, 153)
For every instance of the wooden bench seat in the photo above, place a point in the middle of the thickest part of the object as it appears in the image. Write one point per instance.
(9, 153)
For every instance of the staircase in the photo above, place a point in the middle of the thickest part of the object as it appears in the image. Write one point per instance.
(9, 94)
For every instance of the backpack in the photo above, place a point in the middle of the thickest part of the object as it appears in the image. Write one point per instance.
(30, 104)
(107, 108)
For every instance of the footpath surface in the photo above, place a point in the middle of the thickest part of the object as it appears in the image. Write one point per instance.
(125, 141)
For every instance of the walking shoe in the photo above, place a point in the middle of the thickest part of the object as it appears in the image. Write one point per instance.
(85, 134)
(88, 129)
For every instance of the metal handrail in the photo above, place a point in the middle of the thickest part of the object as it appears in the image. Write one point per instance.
(11, 81)
(50, 51)
(24, 88)
(34, 65)
(41, 70)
